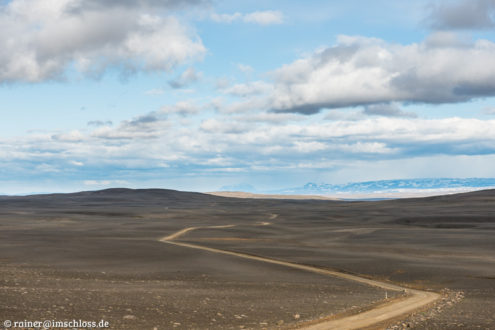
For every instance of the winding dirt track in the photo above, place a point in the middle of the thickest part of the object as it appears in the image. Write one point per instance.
(390, 310)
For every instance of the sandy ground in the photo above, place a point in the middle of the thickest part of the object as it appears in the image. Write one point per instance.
(205, 301)
(241, 194)
(96, 255)
(406, 193)
(413, 299)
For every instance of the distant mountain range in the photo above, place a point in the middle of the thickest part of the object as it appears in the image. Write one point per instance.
(392, 186)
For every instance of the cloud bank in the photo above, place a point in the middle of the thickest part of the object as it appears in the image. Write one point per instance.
(247, 142)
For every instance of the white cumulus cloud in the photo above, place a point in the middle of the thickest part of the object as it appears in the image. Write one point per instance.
(42, 39)
(267, 17)
(364, 71)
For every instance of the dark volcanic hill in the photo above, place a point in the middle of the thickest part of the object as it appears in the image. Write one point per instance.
(118, 196)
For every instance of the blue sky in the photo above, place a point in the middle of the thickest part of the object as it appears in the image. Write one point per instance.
(198, 94)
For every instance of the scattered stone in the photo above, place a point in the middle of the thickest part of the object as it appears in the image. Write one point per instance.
(129, 317)
(415, 321)
(297, 316)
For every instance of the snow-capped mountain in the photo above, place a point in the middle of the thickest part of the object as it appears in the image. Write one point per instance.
(394, 186)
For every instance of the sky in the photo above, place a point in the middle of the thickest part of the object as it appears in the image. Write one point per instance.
(202, 94)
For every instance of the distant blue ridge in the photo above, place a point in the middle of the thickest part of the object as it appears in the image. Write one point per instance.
(390, 186)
